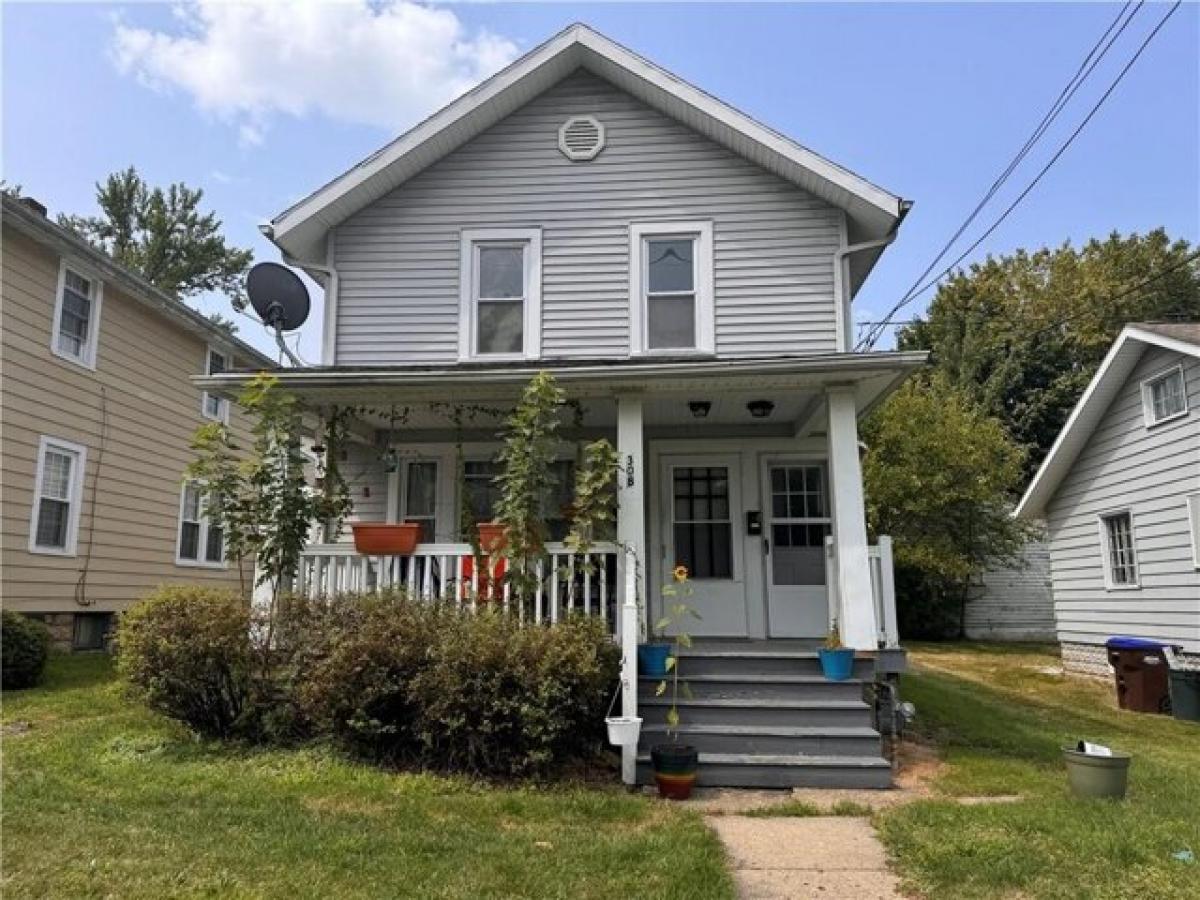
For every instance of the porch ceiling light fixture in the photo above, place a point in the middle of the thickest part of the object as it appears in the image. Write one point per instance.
(760, 409)
(700, 408)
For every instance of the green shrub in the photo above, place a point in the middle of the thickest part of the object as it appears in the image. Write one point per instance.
(26, 643)
(398, 680)
(187, 652)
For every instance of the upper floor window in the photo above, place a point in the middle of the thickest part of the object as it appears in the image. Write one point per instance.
(76, 316)
(671, 287)
(57, 497)
(1164, 396)
(501, 294)
(1120, 556)
(201, 543)
(211, 405)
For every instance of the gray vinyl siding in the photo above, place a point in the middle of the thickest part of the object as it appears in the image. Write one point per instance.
(774, 244)
(1014, 603)
(1149, 472)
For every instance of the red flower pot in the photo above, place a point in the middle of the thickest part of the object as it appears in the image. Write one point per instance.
(386, 539)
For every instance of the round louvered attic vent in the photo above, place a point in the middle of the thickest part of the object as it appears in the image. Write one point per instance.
(581, 138)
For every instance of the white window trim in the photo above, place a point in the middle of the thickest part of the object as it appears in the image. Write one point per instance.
(78, 473)
(706, 342)
(1148, 400)
(87, 359)
(1193, 510)
(467, 320)
(202, 540)
(1105, 560)
(223, 417)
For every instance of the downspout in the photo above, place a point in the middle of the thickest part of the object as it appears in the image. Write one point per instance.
(328, 329)
(841, 273)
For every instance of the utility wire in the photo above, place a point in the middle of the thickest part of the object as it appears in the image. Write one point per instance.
(873, 336)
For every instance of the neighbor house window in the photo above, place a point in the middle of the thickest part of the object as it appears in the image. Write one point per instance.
(671, 287)
(212, 406)
(58, 497)
(1164, 396)
(1120, 556)
(76, 316)
(201, 543)
(501, 284)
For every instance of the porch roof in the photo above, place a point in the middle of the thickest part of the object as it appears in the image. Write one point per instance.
(874, 375)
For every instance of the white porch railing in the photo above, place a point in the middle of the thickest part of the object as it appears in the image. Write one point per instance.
(567, 581)
(883, 589)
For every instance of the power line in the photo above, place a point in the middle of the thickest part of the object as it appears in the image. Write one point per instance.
(912, 294)
(1161, 273)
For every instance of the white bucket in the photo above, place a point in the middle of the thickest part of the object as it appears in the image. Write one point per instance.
(623, 731)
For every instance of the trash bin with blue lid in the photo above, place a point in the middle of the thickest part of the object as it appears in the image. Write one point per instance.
(1141, 673)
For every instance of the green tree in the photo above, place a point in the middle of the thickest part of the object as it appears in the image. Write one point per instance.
(163, 236)
(940, 477)
(1022, 334)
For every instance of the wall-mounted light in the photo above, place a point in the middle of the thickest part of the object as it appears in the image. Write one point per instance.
(760, 409)
(700, 408)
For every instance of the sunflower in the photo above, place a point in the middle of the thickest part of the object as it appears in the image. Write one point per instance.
(680, 573)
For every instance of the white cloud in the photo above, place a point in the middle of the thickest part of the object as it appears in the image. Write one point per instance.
(383, 63)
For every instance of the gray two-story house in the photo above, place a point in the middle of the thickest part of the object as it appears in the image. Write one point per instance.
(1120, 493)
(687, 275)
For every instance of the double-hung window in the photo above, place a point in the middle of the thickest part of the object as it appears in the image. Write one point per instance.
(58, 497)
(501, 294)
(418, 502)
(211, 405)
(1164, 396)
(671, 287)
(76, 316)
(1120, 555)
(201, 543)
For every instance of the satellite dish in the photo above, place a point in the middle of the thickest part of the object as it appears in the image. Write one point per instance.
(280, 299)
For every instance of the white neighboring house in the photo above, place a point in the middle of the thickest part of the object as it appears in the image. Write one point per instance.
(687, 274)
(1120, 493)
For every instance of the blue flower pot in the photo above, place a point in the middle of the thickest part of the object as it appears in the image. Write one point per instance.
(652, 660)
(837, 665)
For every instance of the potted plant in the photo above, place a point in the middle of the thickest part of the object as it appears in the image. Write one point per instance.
(386, 538)
(837, 661)
(675, 763)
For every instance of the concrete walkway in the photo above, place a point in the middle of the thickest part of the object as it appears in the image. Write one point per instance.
(830, 857)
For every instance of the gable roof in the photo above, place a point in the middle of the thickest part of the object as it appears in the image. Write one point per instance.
(34, 224)
(1114, 371)
(300, 230)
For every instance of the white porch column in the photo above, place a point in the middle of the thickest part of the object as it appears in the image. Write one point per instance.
(631, 536)
(856, 616)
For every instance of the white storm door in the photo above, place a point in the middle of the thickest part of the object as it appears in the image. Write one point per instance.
(798, 519)
(701, 528)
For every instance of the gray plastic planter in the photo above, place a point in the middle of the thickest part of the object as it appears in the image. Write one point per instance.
(1097, 776)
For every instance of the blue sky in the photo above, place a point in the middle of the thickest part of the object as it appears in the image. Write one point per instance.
(929, 101)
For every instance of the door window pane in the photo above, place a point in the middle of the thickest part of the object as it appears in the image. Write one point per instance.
(420, 498)
(703, 530)
(799, 524)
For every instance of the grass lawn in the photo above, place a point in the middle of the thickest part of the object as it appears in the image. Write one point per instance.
(102, 799)
(999, 720)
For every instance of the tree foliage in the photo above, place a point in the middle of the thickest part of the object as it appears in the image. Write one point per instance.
(939, 476)
(1022, 334)
(163, 236)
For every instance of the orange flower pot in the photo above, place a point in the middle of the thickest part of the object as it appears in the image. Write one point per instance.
(386, 539)
(491, 538)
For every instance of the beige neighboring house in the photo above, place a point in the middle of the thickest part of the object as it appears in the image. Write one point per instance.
(97, 410)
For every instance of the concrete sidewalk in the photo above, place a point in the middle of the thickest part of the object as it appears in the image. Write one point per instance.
(830, 857)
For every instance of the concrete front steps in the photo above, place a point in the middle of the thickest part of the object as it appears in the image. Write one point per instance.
(762, 715)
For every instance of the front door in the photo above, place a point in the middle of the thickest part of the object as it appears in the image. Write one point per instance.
(701, 528)
(797, 508)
